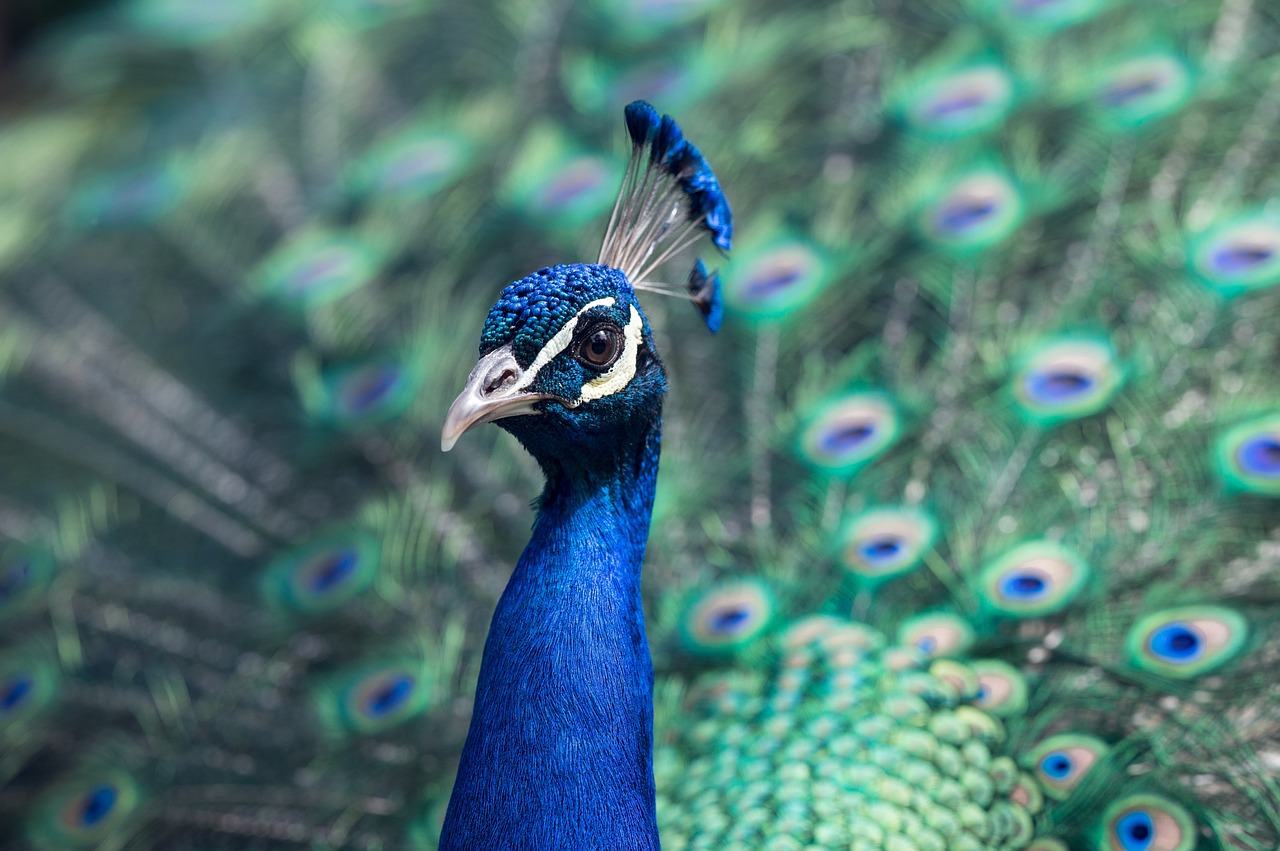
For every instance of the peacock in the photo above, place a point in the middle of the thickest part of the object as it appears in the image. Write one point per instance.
(966, 528)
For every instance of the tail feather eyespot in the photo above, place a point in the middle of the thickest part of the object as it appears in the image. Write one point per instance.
(1147, 823)
(1188, 641)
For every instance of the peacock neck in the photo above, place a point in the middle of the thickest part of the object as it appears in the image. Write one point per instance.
(560, 750)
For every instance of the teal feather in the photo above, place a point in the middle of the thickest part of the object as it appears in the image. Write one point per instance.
(966, 530)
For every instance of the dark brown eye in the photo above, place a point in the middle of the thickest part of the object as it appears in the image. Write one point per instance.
(600, 347)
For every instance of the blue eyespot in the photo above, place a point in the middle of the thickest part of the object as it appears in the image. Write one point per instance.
(973, 211)
(729, 620)
(97, 805)
(1066, 377)
(846, 437)
(1260, 456)
(926, 644)
(960, 101)
(727, 617)
(575, 184)
(13, 578)
(389, 695)
(1062, 761)
(413, 162)
(961, 214)
(324, 574)
(1126, 91)
(331, 569)
(317, 267)
(365, 389)
(772, 281)
(28, 683)
(1147, 823)
(376, 698)
(1135, 831)
(1236, 259)
(879, 551)
(14, 693)
(1248, 456)
(1187, 641)
(881, 543)
(1023, 586)
(1058, 386)
(1238, 254)
(1176, 643)
(775, 279)
(24, 573)
(1056, 765)
(362, 394)
(844, 433)
(81, 811)
(1033, 579)
(1140, 90)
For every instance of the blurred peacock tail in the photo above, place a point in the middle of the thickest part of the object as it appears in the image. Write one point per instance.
(966, 533)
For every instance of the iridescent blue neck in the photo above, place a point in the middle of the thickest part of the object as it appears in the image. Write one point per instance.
(560, 750)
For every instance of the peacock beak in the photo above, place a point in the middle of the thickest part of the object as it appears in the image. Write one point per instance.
(495, 390)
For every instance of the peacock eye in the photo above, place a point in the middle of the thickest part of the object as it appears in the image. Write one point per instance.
(600, 347)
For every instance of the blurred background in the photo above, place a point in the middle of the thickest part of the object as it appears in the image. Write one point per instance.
(1003, 268)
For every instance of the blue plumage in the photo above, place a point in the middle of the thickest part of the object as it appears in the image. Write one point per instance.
(533, 308)
(707, 294)
(561, 738)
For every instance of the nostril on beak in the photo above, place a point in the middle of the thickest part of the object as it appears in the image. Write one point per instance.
(501, 379)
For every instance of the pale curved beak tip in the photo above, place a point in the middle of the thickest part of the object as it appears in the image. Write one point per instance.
(465, 412)
(481, 401)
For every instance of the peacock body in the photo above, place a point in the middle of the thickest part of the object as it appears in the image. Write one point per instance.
(966, 532)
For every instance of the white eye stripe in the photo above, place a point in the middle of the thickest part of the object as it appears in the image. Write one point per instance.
(560, 341)
(623, 370)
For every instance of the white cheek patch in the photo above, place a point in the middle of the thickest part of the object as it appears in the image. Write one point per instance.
(560, 341)
(623, 370)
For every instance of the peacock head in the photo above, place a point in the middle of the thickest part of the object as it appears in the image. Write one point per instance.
(567, 364)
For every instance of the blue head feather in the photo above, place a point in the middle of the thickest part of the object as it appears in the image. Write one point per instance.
(707, 201)
(707, 295)
(668, 142)
(527, 315)
(682, 160)
(642, 122)
(529, 311)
